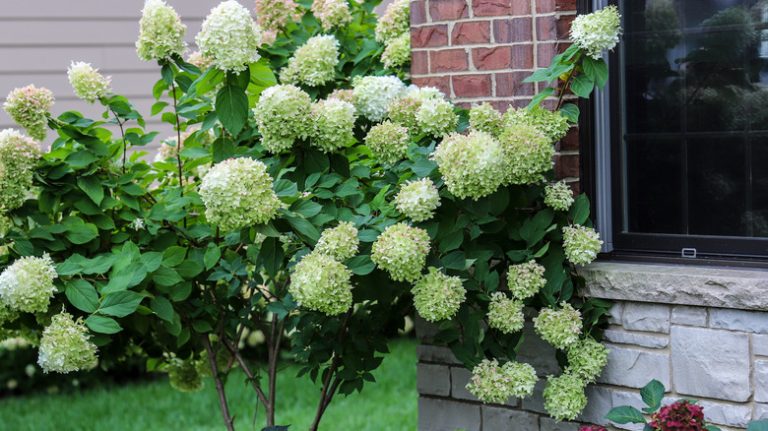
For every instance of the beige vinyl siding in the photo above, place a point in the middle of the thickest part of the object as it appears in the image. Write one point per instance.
(39, 39)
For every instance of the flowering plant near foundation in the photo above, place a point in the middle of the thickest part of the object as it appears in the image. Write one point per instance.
(309, 198)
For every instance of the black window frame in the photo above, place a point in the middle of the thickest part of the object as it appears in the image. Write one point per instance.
(717, 250)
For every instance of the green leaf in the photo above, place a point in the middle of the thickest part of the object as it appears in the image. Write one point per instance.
(232, 108)
(174, 255)
(82, 295)
(652, 395)
(571, 112)
(212, 256)
(120, 304)
(202, 326)
(103, 325)
(361, 265)
(78, 231)
(761, 425)
(271, 255)
(304, 228)
(162, 307)
(712, 428)
(625, 415)
(543, 94)
(92, 187)
(597, 70)
(582, 86)
(165, 276)
(308, 209)
(452, 241)
(580, 210)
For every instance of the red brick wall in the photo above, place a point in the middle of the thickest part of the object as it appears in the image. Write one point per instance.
(481, 50)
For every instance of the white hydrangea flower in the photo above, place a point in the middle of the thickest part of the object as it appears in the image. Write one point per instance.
(550, 123)
(388, 142)
(559, 327)
(505, 314)
(331, 13)
(438, 296)
(397, 53)
(65, 346)
(598, 31)
(161, 33)
(564, 397)
(526, 279)
(558, 196)
(395, 21)
(401, 250)
(313, 63)
(87, 82)
(27, 285)
(586, 359)
(30, 107)
(373, 94)
(436, 117)
(404, 110)
(321, 283)
(472, 165)
(528, 154)
(581, 244)
(340, 242)
(273, 15)
(230, 38)
(281, 116)
(492, 383)
(238, 193)
(333, 124)
(18, 157)
(485, 118)
(418, 200)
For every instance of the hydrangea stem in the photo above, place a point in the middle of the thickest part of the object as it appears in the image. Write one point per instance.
(223, 404)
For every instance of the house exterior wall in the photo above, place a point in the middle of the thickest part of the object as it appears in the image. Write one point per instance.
(701, 332)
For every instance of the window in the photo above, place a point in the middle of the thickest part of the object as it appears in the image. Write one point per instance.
(686, 121)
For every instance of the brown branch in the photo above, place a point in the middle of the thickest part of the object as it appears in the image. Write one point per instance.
(248, 372)
(223, 405)
(122, 133)
(328, 390)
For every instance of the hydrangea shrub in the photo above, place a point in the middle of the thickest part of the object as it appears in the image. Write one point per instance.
(309, 198)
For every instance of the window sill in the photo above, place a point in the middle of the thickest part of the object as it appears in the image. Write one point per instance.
(721, 287)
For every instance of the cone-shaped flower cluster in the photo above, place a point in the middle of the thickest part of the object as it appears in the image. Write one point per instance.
(340, 242)
(598, 31)
(333, 124)
(528, 154)
(472, 165)
(238, 193)
(18, 156)
(394, 22)
(418, 200)
(314, 63)
(401, 250)
(559, 327)
(494, 383)
(564, 397)
(438, 296)
(526, 279)
(558, 196)
(581, 244)
(505, 314)
(27, 285)
(29, 107)
(321, 283)
(281, 116)
(229, 37)
(331, 13)
(388, 142)
(586, 359)
(87, 82)
(65, 346)
(161, 33)
(373, 94)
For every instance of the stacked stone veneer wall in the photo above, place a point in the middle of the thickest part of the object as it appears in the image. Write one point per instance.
(714, 354)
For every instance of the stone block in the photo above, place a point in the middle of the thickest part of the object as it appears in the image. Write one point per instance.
(619, 336)
(761, 412)
(424, 330)
(442, 355)
(507, 419)
(739, 320)
(459, 379)
(600, 402)
(691, 316)
(538, 353)
(445, 415)
(615, 317)
(646, 317)
(711, 363)
(535, 402)
(727, 414)
(634, 368)
(549, 424)
(760, 344)
(433, 379)
(761, 381)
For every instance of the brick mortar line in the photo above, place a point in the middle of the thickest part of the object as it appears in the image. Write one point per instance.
(489, 45)
(491, 18)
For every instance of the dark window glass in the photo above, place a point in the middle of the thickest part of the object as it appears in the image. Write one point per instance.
(694, 142)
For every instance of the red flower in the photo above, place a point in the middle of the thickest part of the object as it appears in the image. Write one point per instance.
(680, 416)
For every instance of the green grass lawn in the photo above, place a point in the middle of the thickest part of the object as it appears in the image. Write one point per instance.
(388, 404)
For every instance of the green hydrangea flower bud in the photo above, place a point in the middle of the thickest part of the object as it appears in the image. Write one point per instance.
(526, 279)
(418, 200)
(18, 157)
(185, 375)
(401, 250)
(30, 107)
(161, 33)
(321, 283)
(388, 142)
(333, 124)
(559, 327)
(281, 116)
(87, 82)
(340, 242)
(27, 285)
(65, 346)
(586, 359)
(238, 193)
(492, 383)
(581, 244)
(485, 118)
(313, 63)
(438, 296)
(558, 196)
(564, 397)
(229, 37)
(472, 165)
(505, 314)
